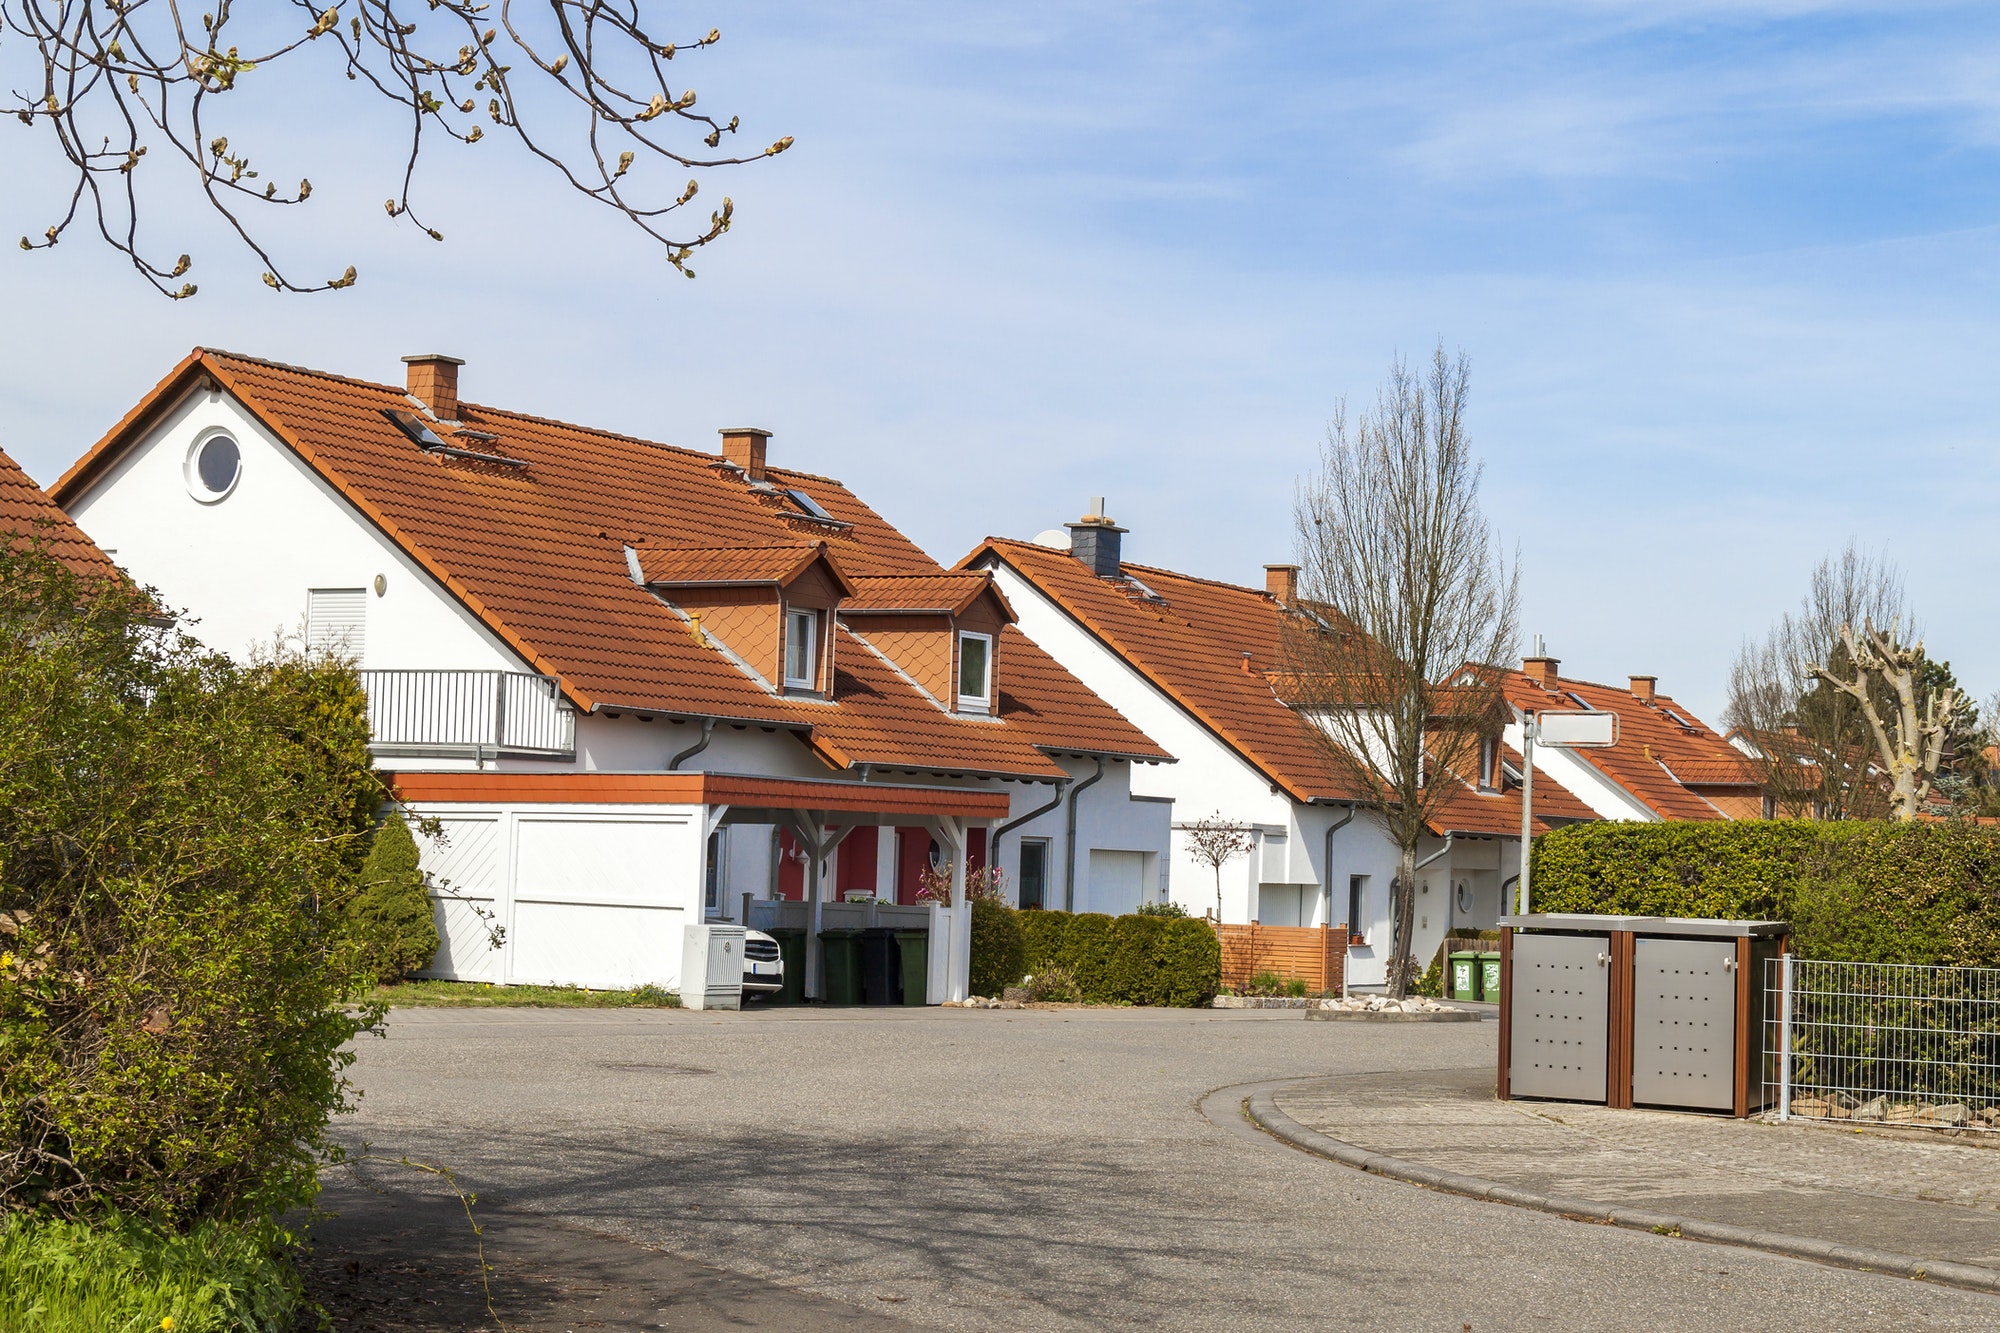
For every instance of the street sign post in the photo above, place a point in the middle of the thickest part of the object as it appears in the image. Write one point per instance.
(1565, 729)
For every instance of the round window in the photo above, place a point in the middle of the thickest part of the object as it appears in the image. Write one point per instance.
(213, 467)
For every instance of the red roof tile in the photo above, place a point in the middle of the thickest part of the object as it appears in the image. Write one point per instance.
(945, 594)
(26, 512)
(537, 552)
(730, 566)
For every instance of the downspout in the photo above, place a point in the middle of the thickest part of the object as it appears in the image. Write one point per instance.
(1069, 845)
(993, 851)
(1326, 864)
(707, 734)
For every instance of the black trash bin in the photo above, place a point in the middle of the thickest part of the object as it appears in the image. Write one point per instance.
(881, 979)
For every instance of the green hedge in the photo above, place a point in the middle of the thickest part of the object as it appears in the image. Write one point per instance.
(1853, 890)
(998, 953)
(1134, 959)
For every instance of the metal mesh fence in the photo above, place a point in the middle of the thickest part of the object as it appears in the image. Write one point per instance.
(1887, 1043)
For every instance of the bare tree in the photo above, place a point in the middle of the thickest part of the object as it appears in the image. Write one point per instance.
(1809, 740)
(112, 80)
(1401, 588)
(1909, 723)
(1215, 842)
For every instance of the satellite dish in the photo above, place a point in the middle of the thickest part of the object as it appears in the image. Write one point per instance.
(1055, 539)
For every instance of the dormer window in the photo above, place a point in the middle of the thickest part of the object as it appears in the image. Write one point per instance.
(975, 673)
(801, 650)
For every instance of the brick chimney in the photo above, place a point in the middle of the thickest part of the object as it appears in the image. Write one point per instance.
(744, 446)
(1094, 539)
(432, 379)
(1281, 583)
(1541, 670)
(1644, 687)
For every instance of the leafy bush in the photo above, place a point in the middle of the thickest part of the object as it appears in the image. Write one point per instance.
(1168, 908)
(1053, 985)
(1853, 890)
(999, 955)
(1129, 959)
(389, 913)
(171, 1021)
(117, 1273)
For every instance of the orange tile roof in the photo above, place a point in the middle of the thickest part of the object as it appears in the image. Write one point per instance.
(1188, 636)
(945, 594)
(730, 566)
(26, 512)
(1499, 813)
(537, 552)
(1663, 751)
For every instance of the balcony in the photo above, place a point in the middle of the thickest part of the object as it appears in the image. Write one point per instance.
(476, 715)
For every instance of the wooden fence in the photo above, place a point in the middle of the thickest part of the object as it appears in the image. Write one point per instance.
(1315, 955)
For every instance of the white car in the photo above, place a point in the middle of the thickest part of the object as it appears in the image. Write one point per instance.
(763, 965)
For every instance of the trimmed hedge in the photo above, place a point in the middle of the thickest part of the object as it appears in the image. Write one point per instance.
(998, 952)
(1136, 959)
(1854, 891)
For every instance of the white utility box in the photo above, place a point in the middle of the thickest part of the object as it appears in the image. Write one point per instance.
(712, 967)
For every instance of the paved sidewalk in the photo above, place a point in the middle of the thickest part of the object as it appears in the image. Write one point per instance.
(1899, 1191)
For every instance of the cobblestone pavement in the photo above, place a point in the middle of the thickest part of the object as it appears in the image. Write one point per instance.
(1909, 1192)
(1039, 1170)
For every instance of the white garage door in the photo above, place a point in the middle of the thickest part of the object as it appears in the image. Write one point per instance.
(602, 902)
(1116, 882)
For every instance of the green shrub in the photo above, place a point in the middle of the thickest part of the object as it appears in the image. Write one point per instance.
(171, 1020)
(1087, 954)
(1853, 890)
(389, 913)
(1168, 908)
(999, 956)
(1134, 959)
(117, 1274)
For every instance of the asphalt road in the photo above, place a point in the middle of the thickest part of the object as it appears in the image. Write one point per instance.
(1039, 1170)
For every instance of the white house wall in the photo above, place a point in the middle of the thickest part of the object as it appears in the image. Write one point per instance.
(1606, 799)
(241, 566)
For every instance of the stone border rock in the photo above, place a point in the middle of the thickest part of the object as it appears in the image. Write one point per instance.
(1394, 1016)
(1260, 1106)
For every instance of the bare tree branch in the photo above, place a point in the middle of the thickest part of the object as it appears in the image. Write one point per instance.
(1401, 589)
(114, 79)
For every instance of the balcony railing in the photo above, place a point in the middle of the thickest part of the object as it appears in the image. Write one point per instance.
(469, 714)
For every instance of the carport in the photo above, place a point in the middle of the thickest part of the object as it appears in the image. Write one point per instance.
(578, 914)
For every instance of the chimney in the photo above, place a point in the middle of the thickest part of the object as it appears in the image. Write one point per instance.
(744, 446)
(1094, 539)
(1541, 670)
(1248, 669)
(1644, 687)
(1281, 583)
(432, 379)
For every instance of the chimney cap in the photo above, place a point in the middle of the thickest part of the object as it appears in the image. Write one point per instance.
(744, 430)
(422, 357)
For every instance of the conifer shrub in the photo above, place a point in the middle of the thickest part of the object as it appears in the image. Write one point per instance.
(999, 954)
(1135, 959)
(389, 913)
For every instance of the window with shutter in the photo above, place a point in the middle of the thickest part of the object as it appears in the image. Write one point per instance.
(337, 621)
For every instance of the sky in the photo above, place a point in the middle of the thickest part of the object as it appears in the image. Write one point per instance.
(1726, 275)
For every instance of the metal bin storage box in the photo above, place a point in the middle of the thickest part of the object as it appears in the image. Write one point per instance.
(712, 967)
(1636, 1011)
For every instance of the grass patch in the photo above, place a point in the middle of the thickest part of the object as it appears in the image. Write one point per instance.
(484, 995)
(123, 1275)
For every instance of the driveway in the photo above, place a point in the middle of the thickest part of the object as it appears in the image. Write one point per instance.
(1034, 1169)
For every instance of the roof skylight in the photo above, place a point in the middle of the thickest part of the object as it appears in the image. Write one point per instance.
(807, 503)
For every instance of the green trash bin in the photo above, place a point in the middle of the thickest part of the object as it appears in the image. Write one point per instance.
(914, 948)
(1464, 976)
(1489, 977)
(792, 951)
(840, 955)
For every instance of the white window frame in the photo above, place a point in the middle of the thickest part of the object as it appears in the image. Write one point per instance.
(810, 681)
(972, 703)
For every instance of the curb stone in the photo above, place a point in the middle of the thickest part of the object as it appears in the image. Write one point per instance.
(1262, 1109)
(1390, 1016)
